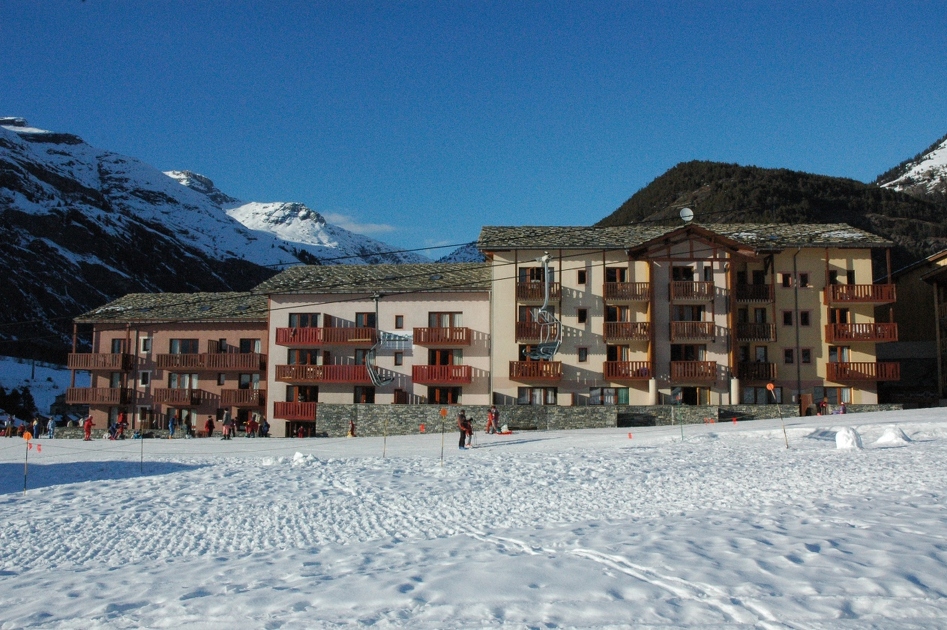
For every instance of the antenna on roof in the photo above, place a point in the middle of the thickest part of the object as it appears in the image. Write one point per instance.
(687, 215)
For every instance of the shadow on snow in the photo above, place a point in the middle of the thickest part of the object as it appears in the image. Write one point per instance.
(48, 475)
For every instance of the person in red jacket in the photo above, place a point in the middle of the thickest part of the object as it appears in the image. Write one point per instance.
(87, 428)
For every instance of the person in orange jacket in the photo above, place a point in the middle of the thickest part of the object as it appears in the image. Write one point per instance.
(87, 428)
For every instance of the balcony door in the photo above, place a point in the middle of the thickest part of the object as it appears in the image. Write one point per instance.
(839, 354)
(535, 274)
(616, 353)
(682, 274)
(838, 316)
(616, 313)
(303, 320)
(688, 352)
(616, 274)
(182, 381)
(443, 395)
(687, 313)
(183, 346)
(437, 356)
(445, 320)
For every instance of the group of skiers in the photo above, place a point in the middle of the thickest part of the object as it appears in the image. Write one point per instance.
(13, 427)
(466, 427)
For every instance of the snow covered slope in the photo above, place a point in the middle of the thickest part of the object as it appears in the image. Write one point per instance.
(924, 175)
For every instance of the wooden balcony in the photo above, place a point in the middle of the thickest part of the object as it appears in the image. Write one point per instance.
(867, 371)
(618, 292)
(217, 362)
(693, 371)
(752, 331)
(859, 294)
(756, 372)
(295, 410)
(534, 371)
(310, 337)
(535, 291)
(692, 291)
(692, 331)
(107, 362)
(877, 332)
(442, 374)
(243, 397)
(532, 331)
(754, 292)
(174, 396)
(100, 396)
(442, 336)
(627, 331)
(627, 370)
(303, 374)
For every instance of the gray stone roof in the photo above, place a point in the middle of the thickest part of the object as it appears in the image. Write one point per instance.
(163, 307)
(387, 278)
(760, 236)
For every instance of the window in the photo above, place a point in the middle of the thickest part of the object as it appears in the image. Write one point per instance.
(682, 274)
(302, 393)
(221, 378)
(182, 381)
(759, 315)
(762, 354)
(361, 356)
(536, 395)
(401, 397)
(580, 276)
(582, 315)
(445, 320)
(803, 280)
(850, 276)
(364, 320)
(536, 274)
(443, 395)
(118, 346)
(364, 395)
(760, 396)
(304, 320)
(787, 318)
(183, 346)
(759, 276)
(399, 358)
(453, 356)
(804, 318)
(833, 277)
(708, 274)
(250, 346)
(399, 322)
(144, 379)
(616, 313)
(834, 395)
(146, 345)
(616, 274)
(248, 381)
(805, 355)
(789, 356)
(608, 396)
(838, 354)
(302, 357)
(583, 355)
(787, 280)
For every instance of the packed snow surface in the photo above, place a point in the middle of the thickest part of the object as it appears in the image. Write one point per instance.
(589, 529)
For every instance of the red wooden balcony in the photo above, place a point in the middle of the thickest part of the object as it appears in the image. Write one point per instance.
(295, 410)
(535, 291)
(100, 396)
(306, 337)
(617, 292)
(108, 362)
(442, 336)
(859, 294)
(243, 397)
(356, 374)
(692, 331)
(752, 331)
(754, 293)
(693, 371)
(876, 331)
(441, 374)
(692, 291)
(627, 331)
(756, 371)
(867, 371)
(627, 370)
(533, 331)
(217, 362)
(175, 396)
(535, 370)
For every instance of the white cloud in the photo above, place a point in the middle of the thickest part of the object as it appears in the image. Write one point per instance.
(346, 222)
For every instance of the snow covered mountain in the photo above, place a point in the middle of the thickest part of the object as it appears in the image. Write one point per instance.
(925, 175)
(81, 226)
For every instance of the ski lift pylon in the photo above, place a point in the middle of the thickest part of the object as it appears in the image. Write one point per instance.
(550, 328)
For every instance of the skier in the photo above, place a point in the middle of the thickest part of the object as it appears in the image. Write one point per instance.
(209, 426)
(493, 419)
(51, 428)
(87, 428)
(171, 422)
(465, 429)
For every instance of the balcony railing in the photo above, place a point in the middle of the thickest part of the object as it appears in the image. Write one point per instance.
(533, 331)
(756, 371)
(535, 291)
(860, 293)
(175, 396)
(322, 374)
(692, 331)
(100, 396)
(877, 331)
(754, 293)
(295, 410)
(692, 291)
(753, 331)
(535, 370)
(627, 370)
(627, 331)
(300, 337)
(243, 397)
(92, 361)
(459, 336)
(222, 361)
(693, 371)
(441, 374)
(627, 291)
(867, 371)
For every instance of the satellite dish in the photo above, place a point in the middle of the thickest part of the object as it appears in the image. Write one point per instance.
(687, 215)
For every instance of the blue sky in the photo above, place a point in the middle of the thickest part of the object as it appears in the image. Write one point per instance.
(421, 122)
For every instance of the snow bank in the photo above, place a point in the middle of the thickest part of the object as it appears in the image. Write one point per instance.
(848, 438)
(893, 436)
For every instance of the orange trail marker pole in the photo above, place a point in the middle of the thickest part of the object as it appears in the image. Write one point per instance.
(27, 436)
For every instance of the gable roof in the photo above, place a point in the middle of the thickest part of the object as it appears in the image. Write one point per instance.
(387, 278)
(163, 307)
